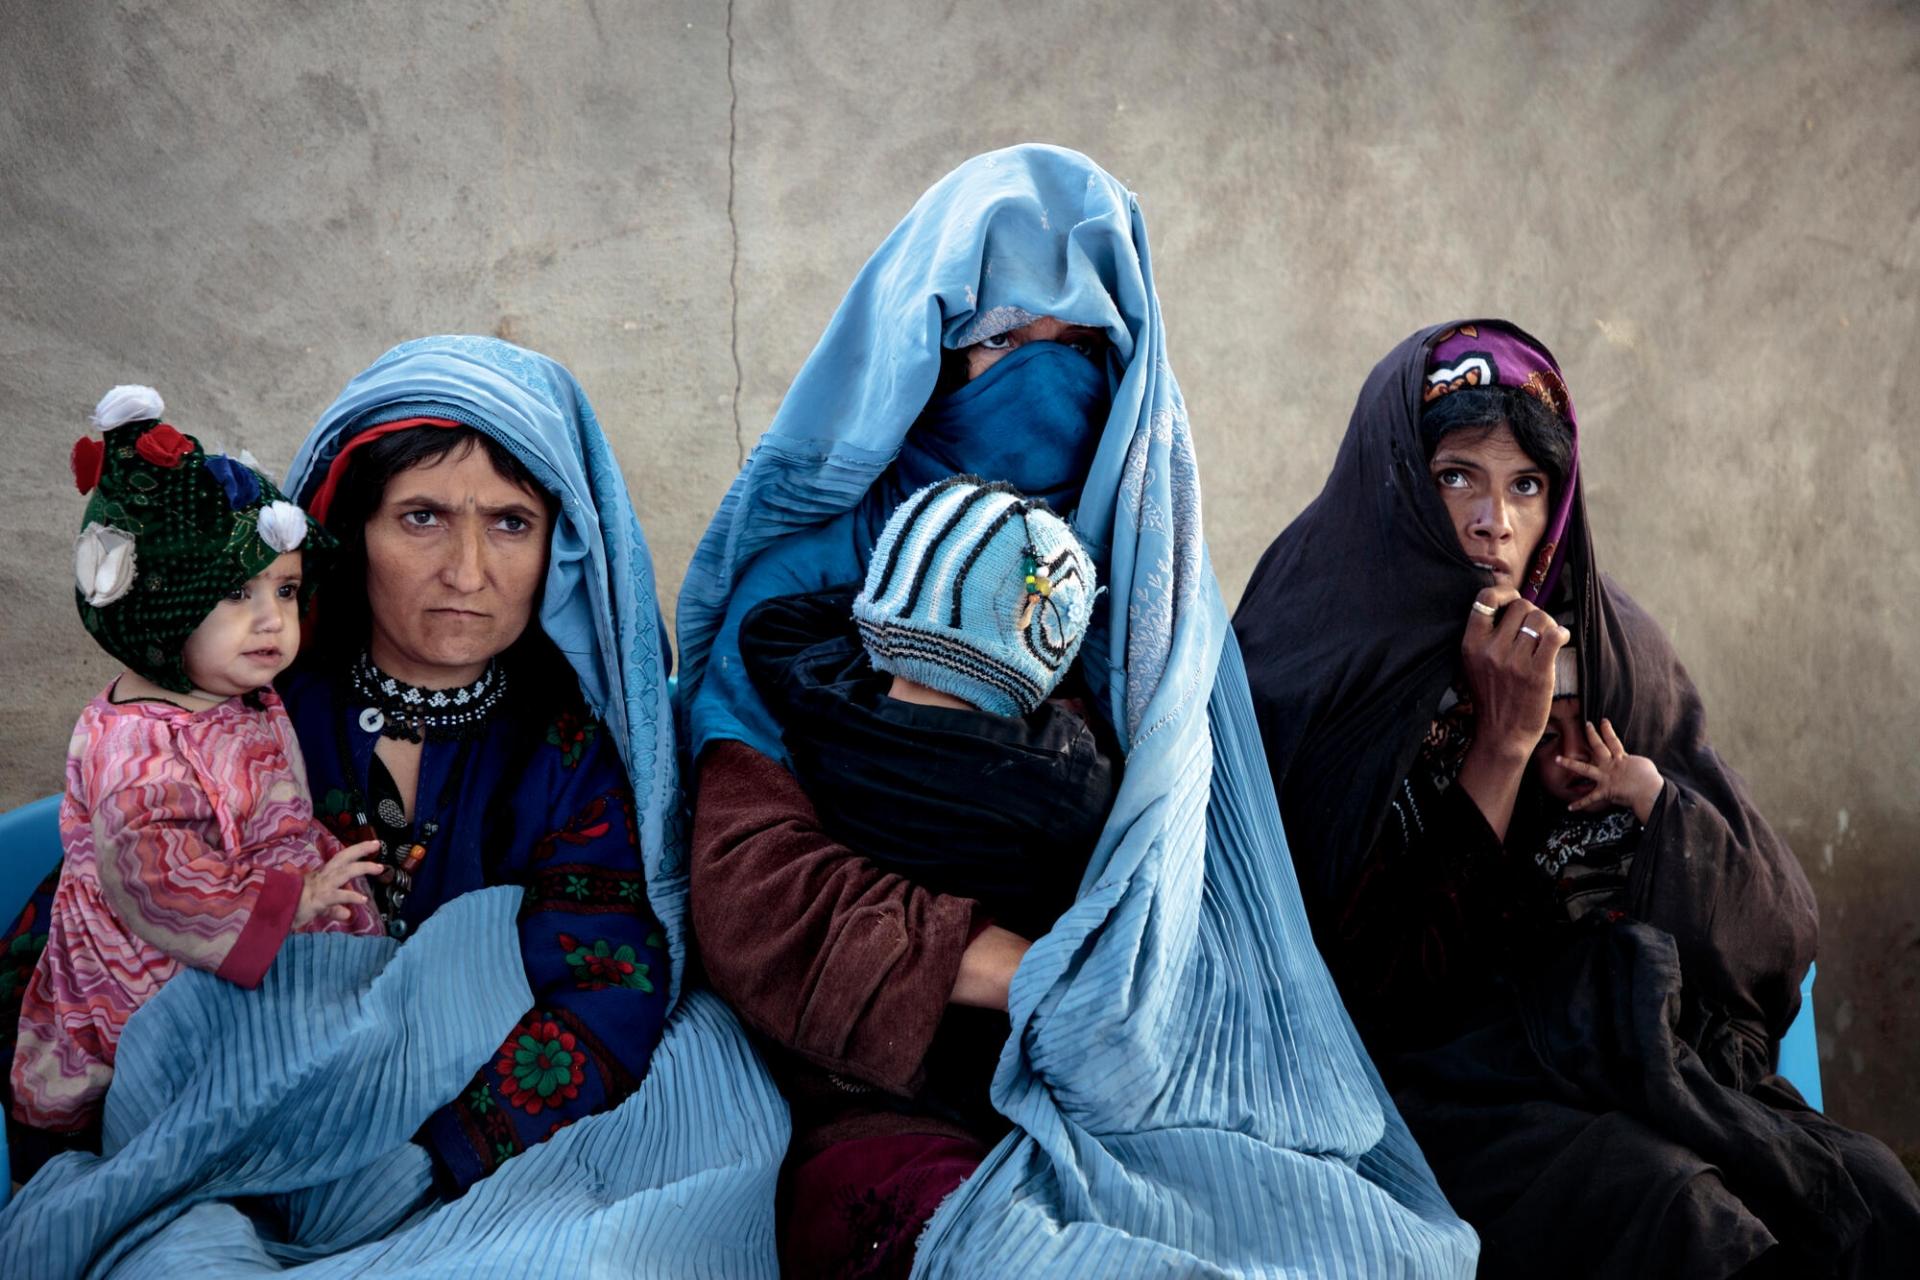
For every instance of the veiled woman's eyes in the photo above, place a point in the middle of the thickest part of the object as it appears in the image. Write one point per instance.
(1088, 345)
(1450, 478)
(1529, 486)
(421, 519)
(998, 342)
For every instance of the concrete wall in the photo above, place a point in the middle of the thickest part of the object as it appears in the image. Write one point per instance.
(1711, 211)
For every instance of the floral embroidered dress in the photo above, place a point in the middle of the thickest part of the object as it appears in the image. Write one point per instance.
(535, 797)
(187, 837)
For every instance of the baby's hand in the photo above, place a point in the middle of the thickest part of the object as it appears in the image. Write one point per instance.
(1619, 778)
(325, 892)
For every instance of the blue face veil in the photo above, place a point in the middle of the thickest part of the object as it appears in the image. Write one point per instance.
(1188, 1093)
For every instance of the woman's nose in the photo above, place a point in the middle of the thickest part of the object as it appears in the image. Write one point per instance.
(465, 568)
(1490, 520)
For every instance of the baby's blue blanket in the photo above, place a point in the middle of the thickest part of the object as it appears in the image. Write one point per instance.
(250, 1132)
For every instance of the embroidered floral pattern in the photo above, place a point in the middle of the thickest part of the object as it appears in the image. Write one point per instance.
(583, 889)
(571, 733)
(584, 827)
(603, 965)
(23, 952)
(541, 1067)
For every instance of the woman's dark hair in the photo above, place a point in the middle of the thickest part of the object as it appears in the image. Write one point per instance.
(1542, 434)
(346, 620)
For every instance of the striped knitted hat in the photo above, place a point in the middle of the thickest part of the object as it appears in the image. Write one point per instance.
(979, 592)
(169, 531)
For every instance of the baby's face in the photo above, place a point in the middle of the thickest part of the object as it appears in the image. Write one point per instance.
(1566, 735)
(251, 636)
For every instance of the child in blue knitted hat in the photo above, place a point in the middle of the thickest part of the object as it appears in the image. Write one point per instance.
(922, 714)
(919, 714)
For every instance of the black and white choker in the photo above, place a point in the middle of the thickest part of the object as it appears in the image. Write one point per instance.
(409, 712)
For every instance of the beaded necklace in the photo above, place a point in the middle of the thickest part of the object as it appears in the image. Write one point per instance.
(409, 712)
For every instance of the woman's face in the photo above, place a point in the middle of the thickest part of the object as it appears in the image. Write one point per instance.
(1496, 497)
(456, 553)
(983, 355)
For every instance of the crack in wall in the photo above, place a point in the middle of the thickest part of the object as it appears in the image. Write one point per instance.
(733, 231)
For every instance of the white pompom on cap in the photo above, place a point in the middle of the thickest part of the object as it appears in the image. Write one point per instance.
(129, 403)
(283, 526)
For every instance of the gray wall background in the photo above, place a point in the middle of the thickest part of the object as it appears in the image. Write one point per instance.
(1710, 211)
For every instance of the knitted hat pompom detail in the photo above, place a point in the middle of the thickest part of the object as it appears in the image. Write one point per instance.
(168, 532)
(978, 591)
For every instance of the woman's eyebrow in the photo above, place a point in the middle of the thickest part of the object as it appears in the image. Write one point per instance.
(520, 509)
(1455, 460)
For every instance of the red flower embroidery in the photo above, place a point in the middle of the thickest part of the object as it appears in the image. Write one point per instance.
(541, 1066)
(163, 446)
(571, 734)
(89, 455)
(583, 828)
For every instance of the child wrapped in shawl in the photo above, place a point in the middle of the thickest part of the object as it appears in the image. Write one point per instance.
(929, 743)
(1592, 799)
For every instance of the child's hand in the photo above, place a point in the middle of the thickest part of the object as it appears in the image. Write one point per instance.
(1619, 778)
(325, 892)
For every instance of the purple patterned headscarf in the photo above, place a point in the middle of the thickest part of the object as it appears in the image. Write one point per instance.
(1488, 353)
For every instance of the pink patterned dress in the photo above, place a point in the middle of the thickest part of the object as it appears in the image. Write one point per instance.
(188, 835)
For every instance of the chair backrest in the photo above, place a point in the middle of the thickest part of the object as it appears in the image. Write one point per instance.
(1800, 1049)
(29, 848)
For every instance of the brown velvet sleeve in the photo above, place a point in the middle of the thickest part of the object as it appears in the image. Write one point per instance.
(813, 945)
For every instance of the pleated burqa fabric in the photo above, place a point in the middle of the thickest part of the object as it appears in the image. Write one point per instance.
(250, 1131)
(1188, 1094)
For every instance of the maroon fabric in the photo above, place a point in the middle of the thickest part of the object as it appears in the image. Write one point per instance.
(846, 969)
(857, 1209)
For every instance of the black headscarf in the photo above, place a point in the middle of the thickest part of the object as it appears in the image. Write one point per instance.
(1351, 628)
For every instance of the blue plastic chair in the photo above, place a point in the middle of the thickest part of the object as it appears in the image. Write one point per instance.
(1800, 1049)
(29, 848)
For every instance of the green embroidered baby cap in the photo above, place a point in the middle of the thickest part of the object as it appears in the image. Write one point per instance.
(168, 532)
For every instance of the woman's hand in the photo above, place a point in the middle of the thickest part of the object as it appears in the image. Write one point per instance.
(1509, 666)
(1618, 778)
(986, 968)
(324, 892)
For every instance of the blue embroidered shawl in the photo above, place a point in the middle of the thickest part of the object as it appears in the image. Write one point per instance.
(1188, 1093)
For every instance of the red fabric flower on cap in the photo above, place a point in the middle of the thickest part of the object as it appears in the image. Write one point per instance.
(89, 455)
(163, 446)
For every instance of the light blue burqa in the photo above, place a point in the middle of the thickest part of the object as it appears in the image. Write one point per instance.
(1189, 1095)
(249, 1131)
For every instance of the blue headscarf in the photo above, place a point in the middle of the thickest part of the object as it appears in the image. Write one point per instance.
(598, 606)
(1188, 1093)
